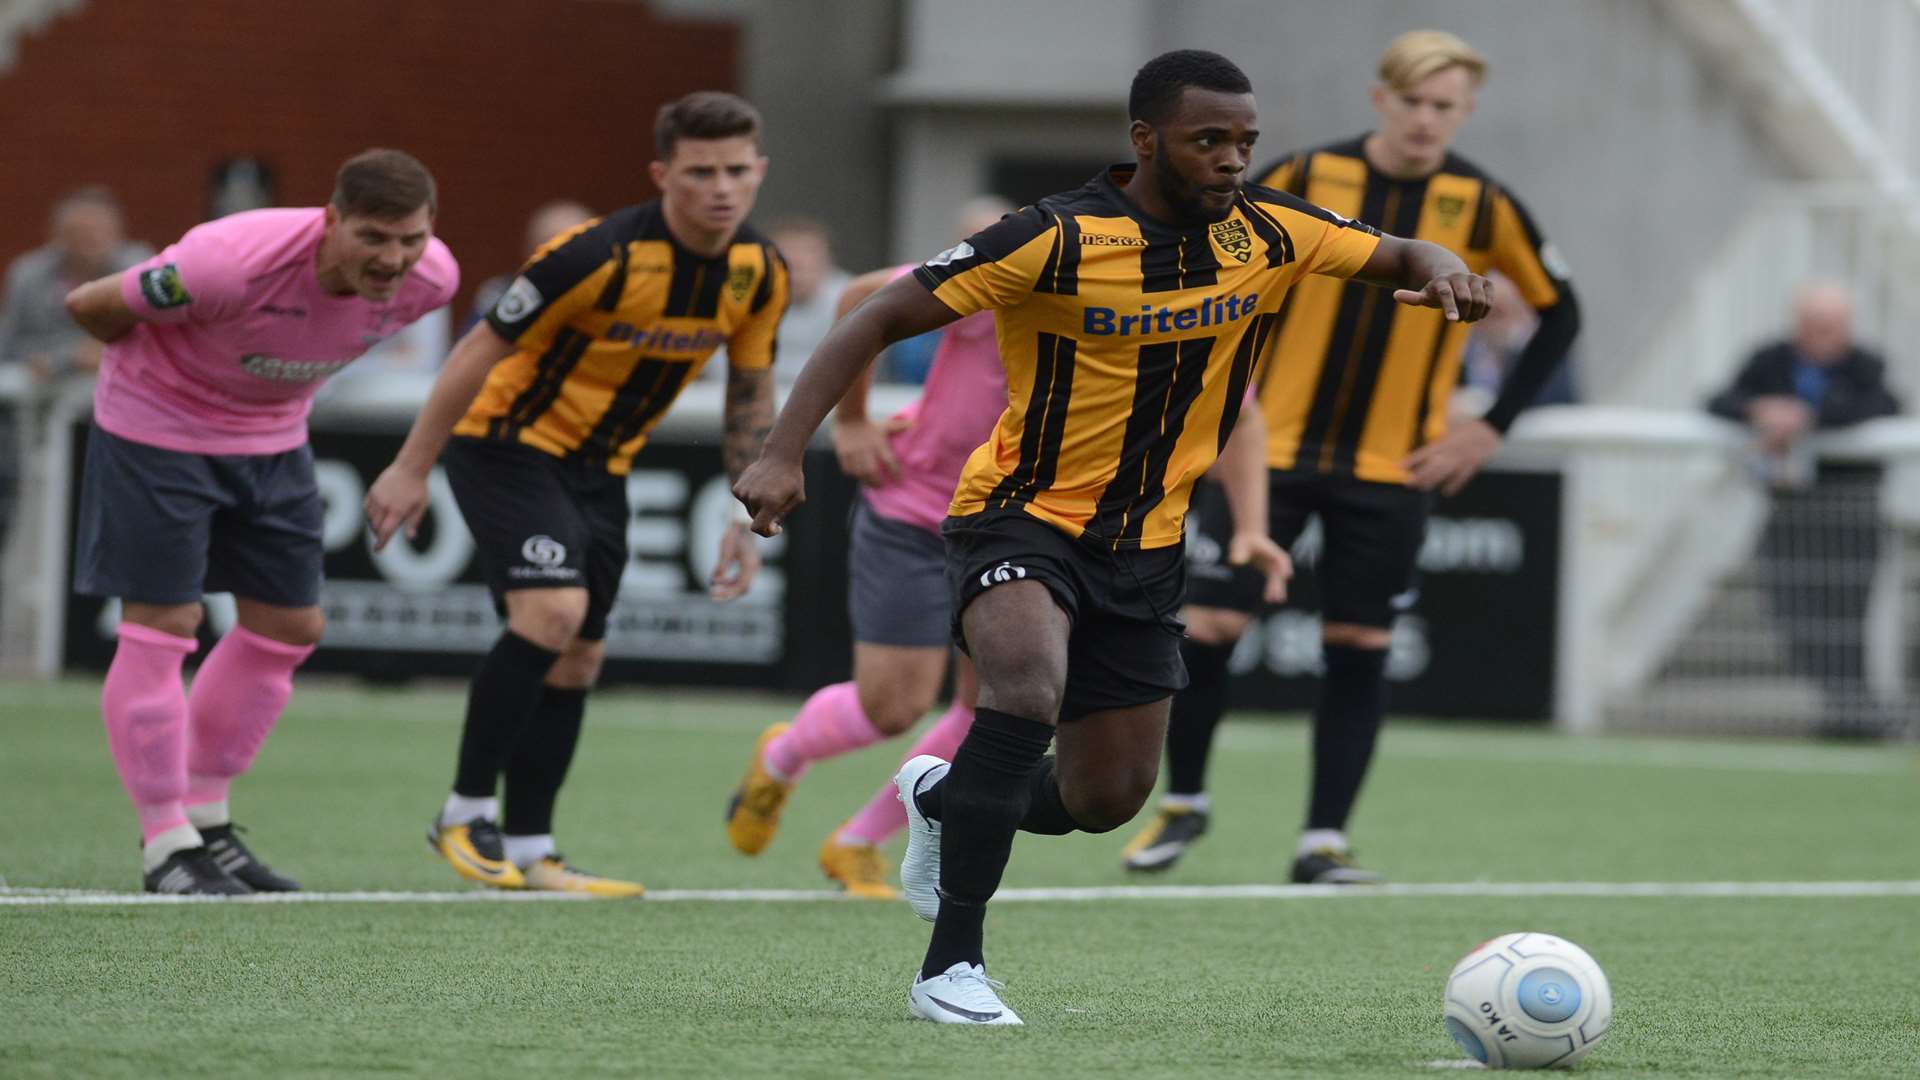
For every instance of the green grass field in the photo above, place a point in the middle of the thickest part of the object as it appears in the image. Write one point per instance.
(1307, 986)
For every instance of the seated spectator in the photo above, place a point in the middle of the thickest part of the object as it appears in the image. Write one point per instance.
(1821, 544)
(89, 241)
(37, 335)
(816, 282)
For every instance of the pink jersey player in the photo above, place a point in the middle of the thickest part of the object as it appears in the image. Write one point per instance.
(897, 591)
(237, 334)
(199, 479)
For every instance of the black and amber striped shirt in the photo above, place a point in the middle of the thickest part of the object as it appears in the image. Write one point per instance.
(1129, 345)
(610, 320)
(1356, 381)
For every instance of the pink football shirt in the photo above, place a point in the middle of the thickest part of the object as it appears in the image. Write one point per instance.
(965, 394)
(238, 334)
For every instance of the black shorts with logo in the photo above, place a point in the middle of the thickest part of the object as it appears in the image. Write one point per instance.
(1124, 605)
(166, 527)
(1371, 535)
(540, 522)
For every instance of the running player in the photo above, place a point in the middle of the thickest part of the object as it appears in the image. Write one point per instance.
(199, 478)
(540, 411)
(897, 590)
(1357, 410)
(1130, 315)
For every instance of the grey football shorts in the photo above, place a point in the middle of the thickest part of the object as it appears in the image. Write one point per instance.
(896, 583)
(164, 527)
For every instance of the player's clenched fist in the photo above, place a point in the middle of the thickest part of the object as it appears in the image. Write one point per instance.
(770, 489)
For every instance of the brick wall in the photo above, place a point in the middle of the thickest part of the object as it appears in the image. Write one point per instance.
(509, 102)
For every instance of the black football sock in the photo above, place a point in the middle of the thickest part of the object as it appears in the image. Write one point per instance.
(538, 765)
(1046, 813)
(1196, 715)
(505, 694)
(983, 798)
(1353, 698)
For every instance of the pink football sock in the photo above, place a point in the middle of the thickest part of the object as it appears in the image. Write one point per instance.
(883, 815)
(145, 708)
(237, 697)
(831, 723)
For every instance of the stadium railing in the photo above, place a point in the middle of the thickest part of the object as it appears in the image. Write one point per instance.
(1665, 618)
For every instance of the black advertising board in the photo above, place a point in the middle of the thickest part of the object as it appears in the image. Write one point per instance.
(1478, 644)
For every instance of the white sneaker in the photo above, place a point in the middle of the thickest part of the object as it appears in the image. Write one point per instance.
(961, 995)
(920, 866)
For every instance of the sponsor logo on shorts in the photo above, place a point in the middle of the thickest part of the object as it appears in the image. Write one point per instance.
(1006, 571)
(519, 301)
(274, 369)
(543, 550)
(162, 288)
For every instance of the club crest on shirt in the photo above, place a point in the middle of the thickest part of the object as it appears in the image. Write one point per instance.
(1448, 208)
(740, 282)
(162, 288)
(1233, 238)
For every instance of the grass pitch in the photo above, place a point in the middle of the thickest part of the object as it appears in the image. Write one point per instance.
(1311, 986)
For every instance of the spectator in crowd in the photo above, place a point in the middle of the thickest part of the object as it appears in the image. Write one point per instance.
(1492, 348)
(817, 284)
(89, 241)
(37, 336)
(1822, 539)
(546, 222)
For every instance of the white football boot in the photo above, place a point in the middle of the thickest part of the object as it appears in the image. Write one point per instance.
(920, 866)
(961, 995)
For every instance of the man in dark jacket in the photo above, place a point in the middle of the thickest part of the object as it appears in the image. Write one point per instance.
(1822, 540)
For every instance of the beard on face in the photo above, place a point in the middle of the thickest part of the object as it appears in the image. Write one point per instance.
(1184, 196)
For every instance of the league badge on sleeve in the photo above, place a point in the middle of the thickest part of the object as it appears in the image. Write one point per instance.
(519, 301)
(162, 288)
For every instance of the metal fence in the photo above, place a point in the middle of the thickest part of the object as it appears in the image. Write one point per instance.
(1810, 634)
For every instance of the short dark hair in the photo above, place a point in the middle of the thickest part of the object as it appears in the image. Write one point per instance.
(703, 114)
(1158, 84)
(384, 184)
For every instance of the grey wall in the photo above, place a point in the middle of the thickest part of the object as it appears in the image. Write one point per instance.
(1629, 152)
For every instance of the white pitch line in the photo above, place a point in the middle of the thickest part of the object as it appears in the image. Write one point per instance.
(40, 897)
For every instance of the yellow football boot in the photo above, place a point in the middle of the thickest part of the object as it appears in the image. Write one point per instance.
(475, 852)
(754, 812)
(859, 868)
(1173, 830)
(553, 874)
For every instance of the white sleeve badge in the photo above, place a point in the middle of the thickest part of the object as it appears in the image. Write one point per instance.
(519, 301)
